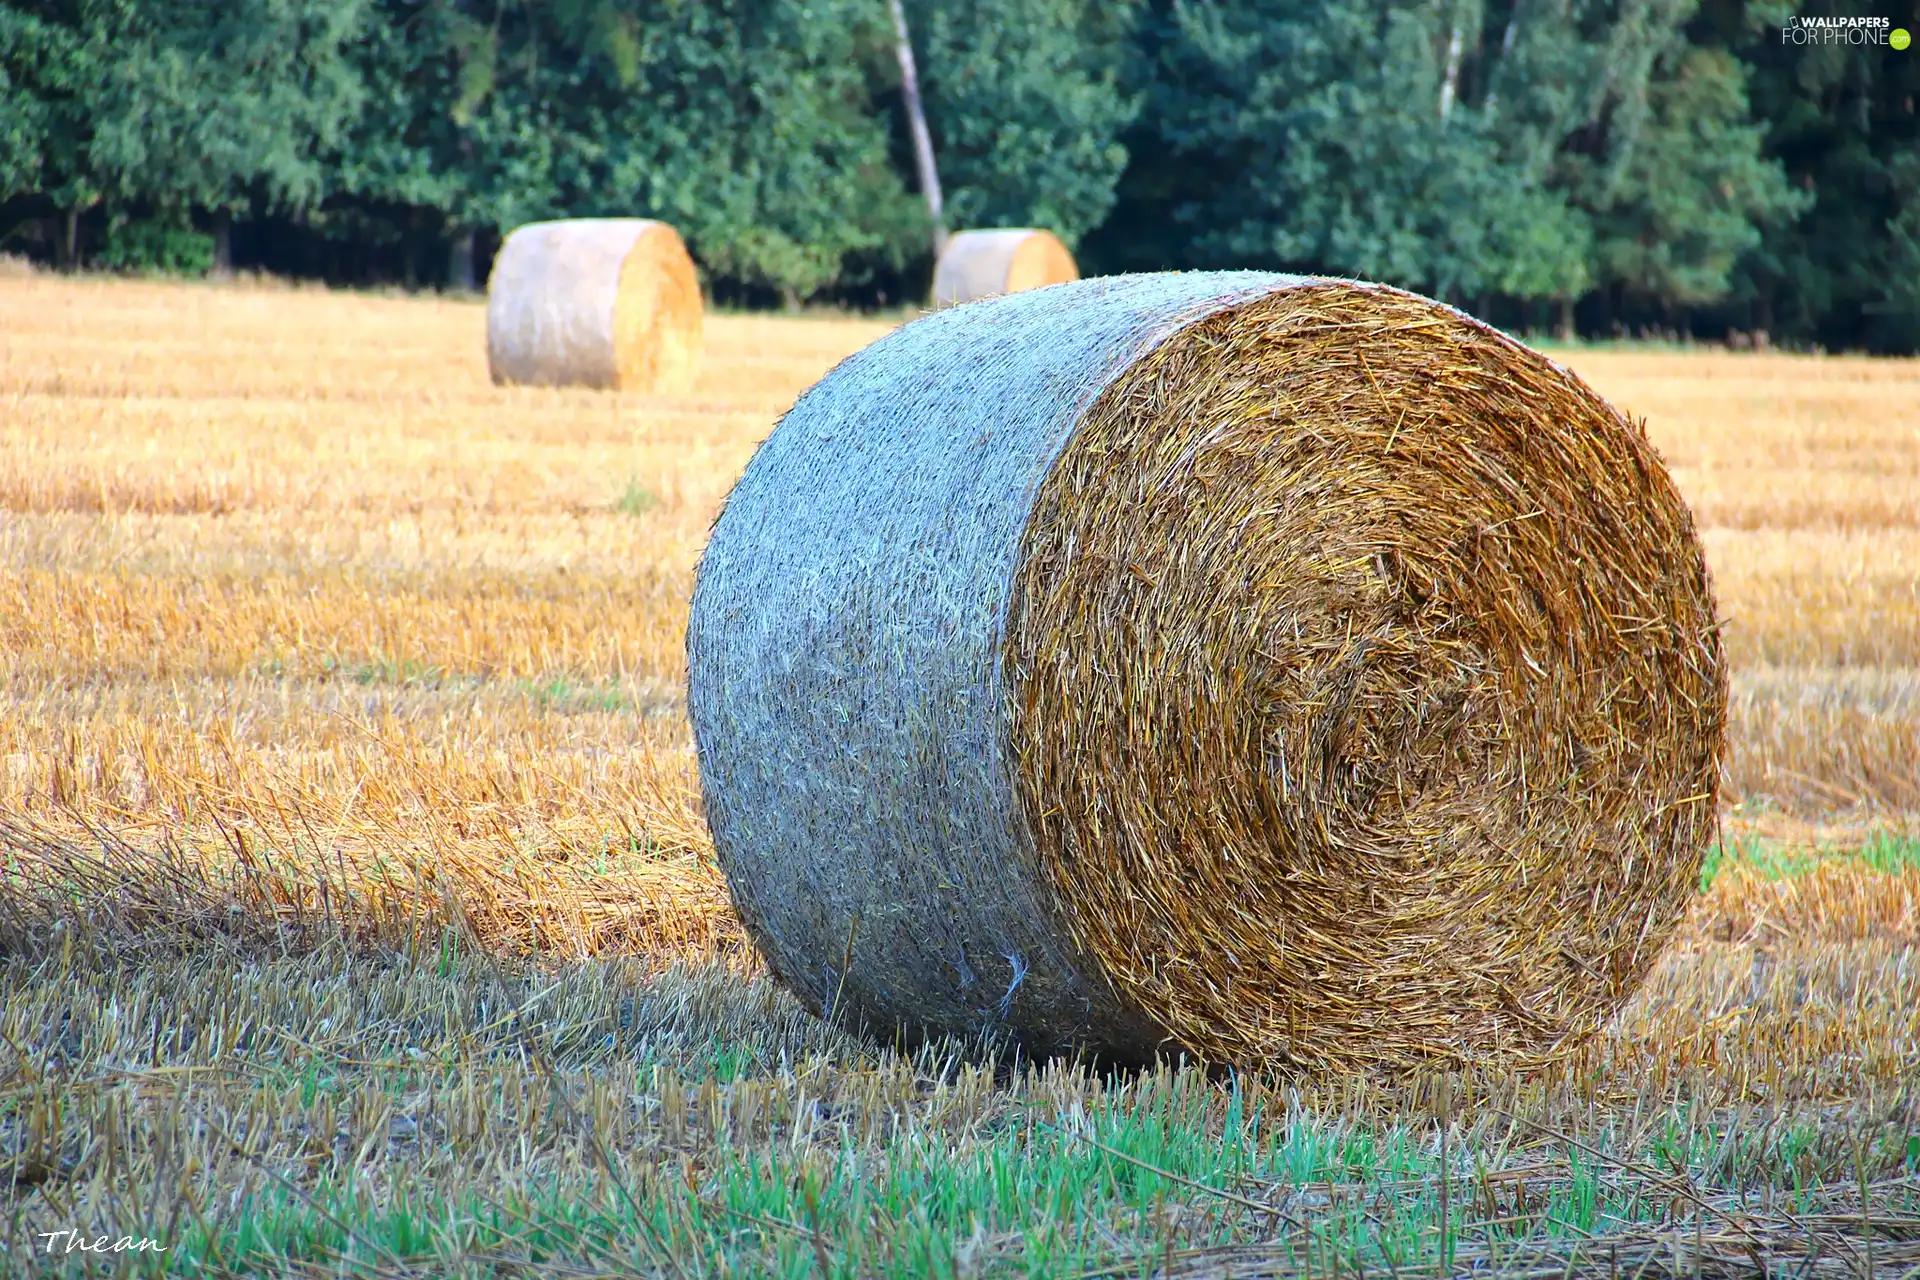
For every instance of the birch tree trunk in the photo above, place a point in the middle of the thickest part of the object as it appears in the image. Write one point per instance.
(917, 126)
(1451, 85)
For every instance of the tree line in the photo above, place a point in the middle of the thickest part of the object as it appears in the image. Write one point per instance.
(1604, 166)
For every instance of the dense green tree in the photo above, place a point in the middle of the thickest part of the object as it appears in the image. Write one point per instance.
(1337, 138)
(1528, 150)
(27, 89)
(1695, 191)
(1841, 121)
(777, 158)
(1670, 162)
(220, 105)
(48, 71)
(405, 164)
(1025, 107)
(751, 125)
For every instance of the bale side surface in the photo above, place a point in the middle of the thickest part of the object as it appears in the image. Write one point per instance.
(982, 264)
(1369, 700)
(844, 646)
(594, 302)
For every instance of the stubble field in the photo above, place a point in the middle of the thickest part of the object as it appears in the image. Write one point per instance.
(358, 915)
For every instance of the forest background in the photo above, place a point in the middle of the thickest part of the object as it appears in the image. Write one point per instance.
(1678, 168)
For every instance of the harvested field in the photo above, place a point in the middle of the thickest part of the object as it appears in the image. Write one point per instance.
(359, 915)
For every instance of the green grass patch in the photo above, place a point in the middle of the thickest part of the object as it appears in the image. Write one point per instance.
(383, 670)
(559, 692)
(1043, 1194)
(564, 694)
(636, 500)
(1884, 852)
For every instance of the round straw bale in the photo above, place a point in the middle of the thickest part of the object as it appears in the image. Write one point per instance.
(595, 302)
(1292, 672)
(982, 264)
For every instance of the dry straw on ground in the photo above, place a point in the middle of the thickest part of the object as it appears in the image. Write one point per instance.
(1285, 671)
(595, 302)
(350, 641)
(983, 264)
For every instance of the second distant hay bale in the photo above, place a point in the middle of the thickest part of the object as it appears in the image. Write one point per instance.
(595, 302)
(981, 264)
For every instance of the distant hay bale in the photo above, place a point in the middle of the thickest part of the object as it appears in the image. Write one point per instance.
(981, 264)
(595, 302)
(1293, 672)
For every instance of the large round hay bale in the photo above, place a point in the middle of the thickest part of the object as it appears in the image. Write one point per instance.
(982, 264)
(1293, 672)
(595, 302)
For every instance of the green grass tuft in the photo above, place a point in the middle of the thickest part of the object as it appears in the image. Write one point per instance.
(1885, 852)
(636, 500)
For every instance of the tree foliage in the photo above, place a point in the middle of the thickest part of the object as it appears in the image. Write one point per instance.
(1694, 191)
(1026, 108)
(1667, 162)
(1841, 122)
(210, 104)
(749, 124)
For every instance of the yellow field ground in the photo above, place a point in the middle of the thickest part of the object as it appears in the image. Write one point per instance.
(304, 624)
(280, 570)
